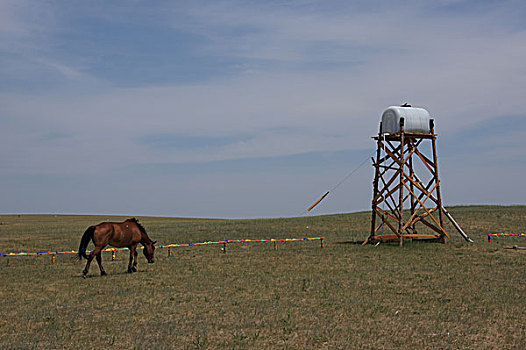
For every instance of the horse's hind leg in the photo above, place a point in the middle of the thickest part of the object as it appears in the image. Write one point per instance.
(99, 261)
(90, 258)
(86, 269)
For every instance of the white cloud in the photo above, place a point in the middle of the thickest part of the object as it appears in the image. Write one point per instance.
(305, 80)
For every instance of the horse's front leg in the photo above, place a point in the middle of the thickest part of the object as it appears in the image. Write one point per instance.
(135, 259)
(132, 249)
(99, 261)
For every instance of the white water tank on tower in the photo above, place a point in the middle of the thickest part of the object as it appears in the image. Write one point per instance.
(416, 120)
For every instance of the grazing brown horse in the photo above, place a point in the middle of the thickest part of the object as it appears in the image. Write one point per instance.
(125, 234)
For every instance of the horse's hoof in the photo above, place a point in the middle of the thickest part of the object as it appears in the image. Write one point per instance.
(130, 270)
(134, 269)
(103, 273)
(84, 276)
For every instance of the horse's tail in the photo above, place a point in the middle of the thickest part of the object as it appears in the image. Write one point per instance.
(86, 237)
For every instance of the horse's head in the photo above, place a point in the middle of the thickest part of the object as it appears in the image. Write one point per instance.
(149, 249)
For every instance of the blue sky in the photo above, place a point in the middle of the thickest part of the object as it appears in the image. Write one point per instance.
(250, 109)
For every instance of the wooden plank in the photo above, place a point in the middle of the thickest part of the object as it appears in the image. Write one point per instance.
(386, 168)
(395, 238)
(433, 227)
(378, 201)
(428, 186)
(422, 206)
(392, 208)
(422, 189)
(421, 235)
(385, 238)
(418, 218)
(425, 162)
(393, 156)
(417, 142)
(394, 150)
(386, 222)
(380, 192)
(391, 227)
(381, 212)
(410, 153)
(389, 196)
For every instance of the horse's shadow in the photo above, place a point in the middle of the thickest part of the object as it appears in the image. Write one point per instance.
(117, 273)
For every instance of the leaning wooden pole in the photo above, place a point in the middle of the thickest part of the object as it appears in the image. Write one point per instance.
(457, 226)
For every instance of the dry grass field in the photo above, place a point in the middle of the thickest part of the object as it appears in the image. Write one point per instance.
(345, 296)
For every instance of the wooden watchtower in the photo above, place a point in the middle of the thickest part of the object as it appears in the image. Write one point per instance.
(407, 203)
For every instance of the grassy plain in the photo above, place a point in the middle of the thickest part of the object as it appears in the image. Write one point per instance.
(345, 296)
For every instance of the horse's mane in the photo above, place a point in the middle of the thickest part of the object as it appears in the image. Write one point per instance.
(141, 228)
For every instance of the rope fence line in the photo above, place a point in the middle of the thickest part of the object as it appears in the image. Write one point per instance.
(505, 235)
(175, 245)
